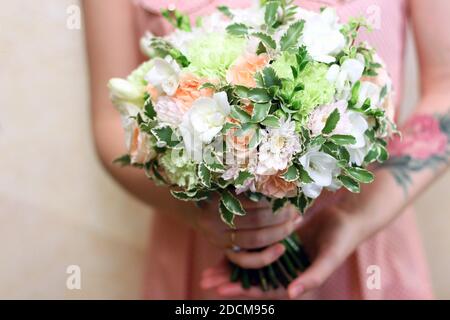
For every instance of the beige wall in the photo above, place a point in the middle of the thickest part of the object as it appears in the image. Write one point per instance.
(57, 205)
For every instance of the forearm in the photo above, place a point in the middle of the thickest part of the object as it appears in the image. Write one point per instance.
(417, 159)
(110, 144)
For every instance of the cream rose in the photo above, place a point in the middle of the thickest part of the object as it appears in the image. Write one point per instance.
(163, 75)
(203, 122)
(322, 36)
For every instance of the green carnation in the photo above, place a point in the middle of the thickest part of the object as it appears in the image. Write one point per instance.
(211, 55)
(283, 64)
(137, 76)
(179, 169)
(317, 89)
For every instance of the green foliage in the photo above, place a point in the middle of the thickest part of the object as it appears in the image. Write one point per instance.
(165, 137)
(238, 29)
(266, 40)
(271, 13)
(260, 112)
(148, 107)
(177, 19)
(123, 161)
(350, 184)
(226, 11)
(291, 37)
(360, 175)
(231, 203)
(332, 122)
(292, 174)
(162, 48)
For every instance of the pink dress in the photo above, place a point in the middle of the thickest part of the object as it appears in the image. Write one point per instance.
(177, 255)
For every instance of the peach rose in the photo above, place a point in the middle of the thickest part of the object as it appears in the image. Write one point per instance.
(140, 148)
(242, 72)
(153, 92)
(276, 187)
(189, 90)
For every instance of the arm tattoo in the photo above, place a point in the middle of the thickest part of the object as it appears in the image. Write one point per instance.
(425, 144)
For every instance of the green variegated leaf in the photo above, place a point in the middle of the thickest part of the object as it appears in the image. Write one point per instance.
(383, 154)
(232, 203)
(165, 137)
(242, 178)
(303, 203)
(239, 114)
(222, 183)
(278, 204)
(148, 107)
(256, 139)
(254, 196)
(227, 126)
(350, 184)
(332, 122)
(260, 112)
(204, 175)
(355, 93)
(270, 78)
(214, 166)
(271, 121)
(208, 85)
(360, 175)
(342, 140)
(292, 174)
(245, 128)
(226, 215)
(304, 176)
(241, 91)
(259, 95)
(189, 196)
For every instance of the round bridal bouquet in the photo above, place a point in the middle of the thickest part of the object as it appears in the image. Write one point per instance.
(271, 102)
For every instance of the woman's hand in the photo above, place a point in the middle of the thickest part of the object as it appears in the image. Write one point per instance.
(329, 237)
(259, 228)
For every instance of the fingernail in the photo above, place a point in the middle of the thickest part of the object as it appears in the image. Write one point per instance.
(298, 220)
(296, 291)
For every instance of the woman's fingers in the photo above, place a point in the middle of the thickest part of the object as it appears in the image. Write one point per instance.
(255, 260)
(260, 238)
(235, 290)
(215, 280)
(315, 275)
(261, 218)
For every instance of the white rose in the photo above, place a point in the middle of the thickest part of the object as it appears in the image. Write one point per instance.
(163, 75)
(123, 91)
(322, 36)
(345, 76)
(320, 166)
(369, 90)
(203, 122)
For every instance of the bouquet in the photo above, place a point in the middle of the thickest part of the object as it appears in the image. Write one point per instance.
(270, 102)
